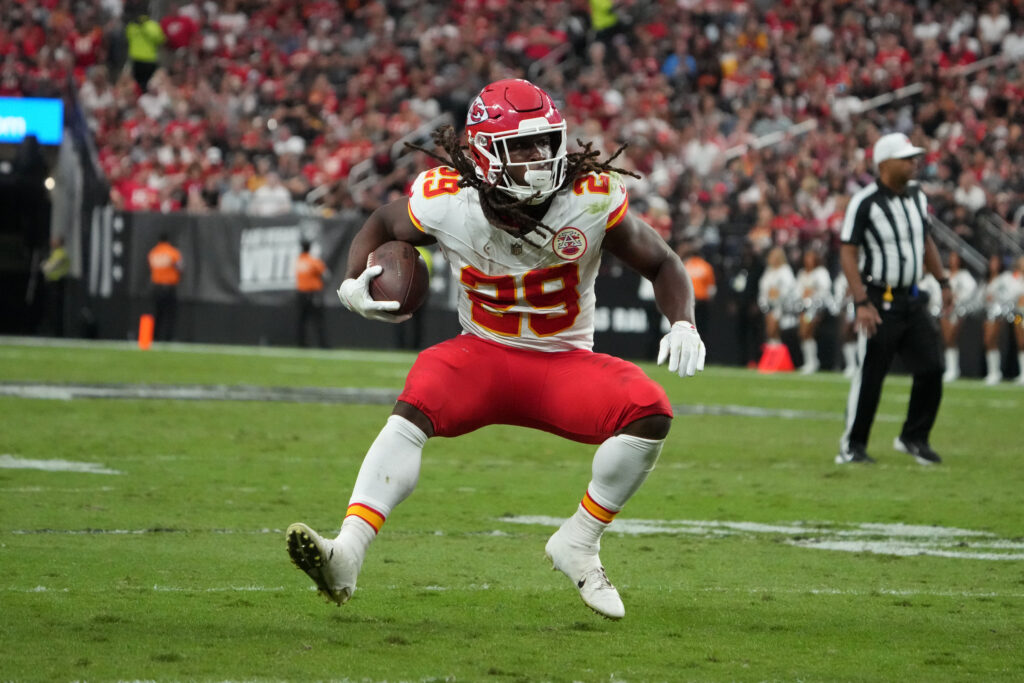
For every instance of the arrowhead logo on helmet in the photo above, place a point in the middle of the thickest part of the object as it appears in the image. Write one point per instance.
(510, 109)
(477, 112)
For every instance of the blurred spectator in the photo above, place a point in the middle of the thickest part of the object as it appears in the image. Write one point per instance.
(144, 40)
(237, 197)
(180, 29)
(969, 194)
(271, 198)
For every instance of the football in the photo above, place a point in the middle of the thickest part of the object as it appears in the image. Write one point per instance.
(405, 278)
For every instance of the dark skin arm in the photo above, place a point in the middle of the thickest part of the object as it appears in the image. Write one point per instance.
(389, 222)
(641, 248)
(868, 319)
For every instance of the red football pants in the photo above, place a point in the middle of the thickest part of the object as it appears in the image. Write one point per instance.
(467, 382)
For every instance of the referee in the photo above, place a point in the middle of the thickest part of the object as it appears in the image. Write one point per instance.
(886, 248)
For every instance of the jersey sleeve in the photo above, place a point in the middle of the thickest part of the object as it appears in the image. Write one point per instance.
(604, 194)
(856, 219)
(619, 200)
(431, 197)
(922, 202)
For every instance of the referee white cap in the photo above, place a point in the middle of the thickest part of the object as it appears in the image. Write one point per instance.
(894, 146)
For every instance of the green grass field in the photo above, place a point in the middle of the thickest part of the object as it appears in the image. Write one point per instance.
(747, 556)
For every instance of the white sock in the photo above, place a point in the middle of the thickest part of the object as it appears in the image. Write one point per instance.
(953, 361)
(388, 475)
(992, 361)
(809, 347)
(850, 354)
(621, 465)
(1020, 365)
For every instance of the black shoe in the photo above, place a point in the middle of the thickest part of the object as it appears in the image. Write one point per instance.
(854, 453)
(921, 451)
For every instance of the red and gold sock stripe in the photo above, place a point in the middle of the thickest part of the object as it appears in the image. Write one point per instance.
(599, 512)
(367, 514)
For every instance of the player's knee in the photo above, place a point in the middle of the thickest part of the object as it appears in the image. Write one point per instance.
(654, 427)
(414, 415)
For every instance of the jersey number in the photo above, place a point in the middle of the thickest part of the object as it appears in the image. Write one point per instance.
(545, 288)
(440, 181)
(594, 184)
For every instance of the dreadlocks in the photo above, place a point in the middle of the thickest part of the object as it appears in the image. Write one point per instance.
(500, 209)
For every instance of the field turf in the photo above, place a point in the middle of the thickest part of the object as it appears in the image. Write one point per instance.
(747, 556)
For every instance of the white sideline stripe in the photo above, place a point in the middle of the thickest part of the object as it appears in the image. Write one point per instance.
(474, 587)
(9, 462)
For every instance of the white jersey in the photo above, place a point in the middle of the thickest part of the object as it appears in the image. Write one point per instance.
(776, 289)
(814, 290)
(1003, 295)
(933, 289)
(512, 292)
(965, 293)
(842, 302)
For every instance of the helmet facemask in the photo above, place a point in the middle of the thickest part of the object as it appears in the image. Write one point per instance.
(541, 177)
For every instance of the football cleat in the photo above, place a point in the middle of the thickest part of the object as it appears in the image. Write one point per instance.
(921, 451)
(332, 571)
(854, 454)
(586, 573)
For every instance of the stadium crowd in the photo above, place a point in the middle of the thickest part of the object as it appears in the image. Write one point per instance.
(749, 121)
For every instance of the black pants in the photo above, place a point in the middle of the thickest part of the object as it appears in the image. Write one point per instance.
(165, 311)
(311, 318)
(909, 330)
(54, 294)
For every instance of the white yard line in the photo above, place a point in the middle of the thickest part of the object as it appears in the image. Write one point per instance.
(10, 462)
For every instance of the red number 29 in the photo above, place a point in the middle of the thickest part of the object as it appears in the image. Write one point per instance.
(542, 289)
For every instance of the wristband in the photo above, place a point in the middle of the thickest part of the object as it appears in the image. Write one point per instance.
(863, 302)
(944, 283)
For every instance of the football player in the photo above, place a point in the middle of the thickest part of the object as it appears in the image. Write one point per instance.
(522, 223)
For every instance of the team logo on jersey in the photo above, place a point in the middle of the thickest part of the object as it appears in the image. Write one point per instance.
(569, 243)
(477, 112)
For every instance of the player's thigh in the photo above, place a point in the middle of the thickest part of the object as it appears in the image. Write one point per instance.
(458, 384)
(590, 396)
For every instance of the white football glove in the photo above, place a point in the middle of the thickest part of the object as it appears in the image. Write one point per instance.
(355, 296)
(683, 348)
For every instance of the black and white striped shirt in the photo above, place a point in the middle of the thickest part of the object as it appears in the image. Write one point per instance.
(890, 229)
